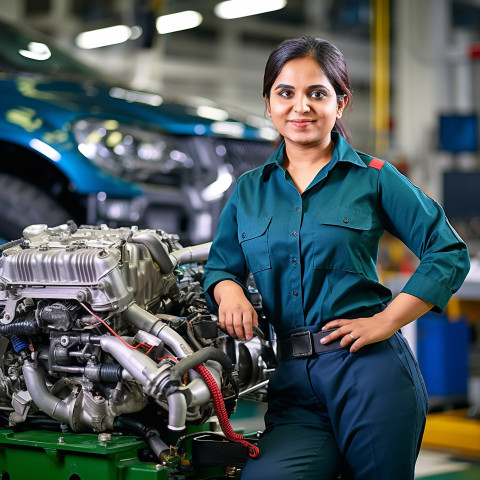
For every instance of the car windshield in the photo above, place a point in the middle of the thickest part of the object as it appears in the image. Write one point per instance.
(23, 51)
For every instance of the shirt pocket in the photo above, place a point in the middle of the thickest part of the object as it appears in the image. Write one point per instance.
(253, 238)
(343, 240)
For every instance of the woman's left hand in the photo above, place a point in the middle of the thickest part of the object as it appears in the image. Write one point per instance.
(403, 309)
(359, 332)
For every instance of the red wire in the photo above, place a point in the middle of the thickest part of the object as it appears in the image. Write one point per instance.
(168, 356)
(217, 398)
(150, 347)
(221, 412)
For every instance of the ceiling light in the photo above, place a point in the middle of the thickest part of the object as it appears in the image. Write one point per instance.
(104, 37)
(233, 129)
(175, 22)
(244, 8)
(36, 51)
(135, 96)
(212, 113)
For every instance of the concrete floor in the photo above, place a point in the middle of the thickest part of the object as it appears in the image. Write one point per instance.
(434, 465)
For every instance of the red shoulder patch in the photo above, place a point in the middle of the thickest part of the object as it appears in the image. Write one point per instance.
(376, 163)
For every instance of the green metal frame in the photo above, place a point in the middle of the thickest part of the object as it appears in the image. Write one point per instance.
(46, 455)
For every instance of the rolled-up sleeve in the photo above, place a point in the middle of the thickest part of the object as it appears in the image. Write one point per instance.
(420, 223)
(226, 260)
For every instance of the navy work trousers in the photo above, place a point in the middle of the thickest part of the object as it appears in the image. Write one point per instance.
(365, 411)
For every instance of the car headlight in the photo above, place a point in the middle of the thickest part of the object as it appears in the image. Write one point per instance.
(128, 151)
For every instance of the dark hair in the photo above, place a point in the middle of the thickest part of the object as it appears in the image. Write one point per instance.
(329, 58)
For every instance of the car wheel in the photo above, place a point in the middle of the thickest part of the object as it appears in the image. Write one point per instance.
(23, 204)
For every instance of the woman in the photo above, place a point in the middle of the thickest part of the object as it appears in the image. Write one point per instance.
(347, 390)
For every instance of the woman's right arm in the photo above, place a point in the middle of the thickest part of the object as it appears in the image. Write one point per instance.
(225, 276)
(235, 312)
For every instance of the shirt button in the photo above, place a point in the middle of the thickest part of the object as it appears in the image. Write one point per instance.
(297, 325)
(295, 293)
(297, 209)
(346, 220)
(294, 233)
(294, 261)
(243, 235)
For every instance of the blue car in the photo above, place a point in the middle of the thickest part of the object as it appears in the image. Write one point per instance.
(75, 145)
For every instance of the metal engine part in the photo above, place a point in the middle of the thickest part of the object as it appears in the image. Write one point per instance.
(99, 323)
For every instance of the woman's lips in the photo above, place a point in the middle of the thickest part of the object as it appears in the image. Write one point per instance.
(301, 122)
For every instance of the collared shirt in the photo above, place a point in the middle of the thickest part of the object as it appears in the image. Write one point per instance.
(313, 255)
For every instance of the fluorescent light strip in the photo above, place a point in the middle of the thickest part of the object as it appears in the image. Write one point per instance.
(212, 113)
(104, 37)
(175, 22)
(244, 8)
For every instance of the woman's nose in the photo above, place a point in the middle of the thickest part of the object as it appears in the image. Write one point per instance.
(301, 105)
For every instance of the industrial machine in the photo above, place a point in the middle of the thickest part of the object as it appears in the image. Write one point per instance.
(112, 365)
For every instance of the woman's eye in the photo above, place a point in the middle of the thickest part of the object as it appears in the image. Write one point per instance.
(318, 94)
(285, 93)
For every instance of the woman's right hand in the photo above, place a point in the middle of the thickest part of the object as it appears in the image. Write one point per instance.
(236, 314)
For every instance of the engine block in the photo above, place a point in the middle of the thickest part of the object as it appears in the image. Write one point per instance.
(101, 328)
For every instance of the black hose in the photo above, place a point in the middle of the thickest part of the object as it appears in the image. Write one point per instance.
(111, 372)
(191, 337)
(149, 434)
(196, 358)
(11, 244)
(23, 327)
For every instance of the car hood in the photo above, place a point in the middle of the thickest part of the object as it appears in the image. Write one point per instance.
(58, 101)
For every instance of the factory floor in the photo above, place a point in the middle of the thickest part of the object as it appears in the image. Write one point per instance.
(435, 465)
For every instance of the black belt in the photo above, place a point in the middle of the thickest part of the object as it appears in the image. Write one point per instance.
(305, 344)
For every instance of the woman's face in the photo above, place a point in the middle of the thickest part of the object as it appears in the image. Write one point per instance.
(303, 104)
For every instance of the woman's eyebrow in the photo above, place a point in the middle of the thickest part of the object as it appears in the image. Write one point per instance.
(283, 85)
(310, 87)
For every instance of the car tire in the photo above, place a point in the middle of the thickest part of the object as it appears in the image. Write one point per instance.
(23, 204)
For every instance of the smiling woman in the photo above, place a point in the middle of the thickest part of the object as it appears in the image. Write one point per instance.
(304, 109)
(347, 395)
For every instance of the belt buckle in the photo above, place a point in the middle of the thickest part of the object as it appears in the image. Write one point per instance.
(302, 345)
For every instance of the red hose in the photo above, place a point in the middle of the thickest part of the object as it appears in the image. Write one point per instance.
(221, 412)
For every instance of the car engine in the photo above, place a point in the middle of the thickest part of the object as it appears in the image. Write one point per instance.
(108, 330)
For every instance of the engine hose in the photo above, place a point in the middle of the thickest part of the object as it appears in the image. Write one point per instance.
(19, 342)
(110, 372)
(191, 337)
(221, 412)
(149, 434)
(24, 327)
(11, 244)
(156, 248)
(201, 356)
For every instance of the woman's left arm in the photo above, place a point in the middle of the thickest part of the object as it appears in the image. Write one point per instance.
(403, 309)
(420, 223)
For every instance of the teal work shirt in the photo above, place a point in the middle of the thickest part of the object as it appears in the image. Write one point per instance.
(313, 255)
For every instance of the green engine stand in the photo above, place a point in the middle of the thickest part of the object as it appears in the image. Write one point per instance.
(44, 455)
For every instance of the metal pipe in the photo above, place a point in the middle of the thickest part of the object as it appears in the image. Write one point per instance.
(252, 389)
(177, 411)
(43, 399)
(144, 320)
(138, 365)
(145, 371)
(196, 253)
(157, 249)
